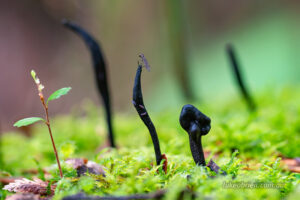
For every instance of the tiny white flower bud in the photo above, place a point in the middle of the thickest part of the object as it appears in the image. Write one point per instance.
(37, 81)
(41, 87)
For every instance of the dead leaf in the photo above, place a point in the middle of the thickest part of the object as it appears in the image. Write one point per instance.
(7, 180)
(23, 197)
(95, 168)
(83, 165)
(75, 162)
(295, 169)
(293, 164)
(24, 185)
(289, 161)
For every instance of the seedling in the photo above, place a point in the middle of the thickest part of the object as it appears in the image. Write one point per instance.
(141, 109)
(239, 78)
(196, 124)
(100, 72)
(27, 121)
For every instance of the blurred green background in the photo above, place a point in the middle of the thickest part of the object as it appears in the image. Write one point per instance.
(184, 42)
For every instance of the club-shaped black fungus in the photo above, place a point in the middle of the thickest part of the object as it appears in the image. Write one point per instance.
(196, 124)
(141, 109)
(100, 72)
(238, 76)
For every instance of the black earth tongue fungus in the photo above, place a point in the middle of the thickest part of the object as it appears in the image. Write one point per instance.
(141, 109)
(100, 72)
(239, 78)
(197, 124)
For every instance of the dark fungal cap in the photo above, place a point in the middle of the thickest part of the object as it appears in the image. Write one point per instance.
(196, 124)
(194, 121)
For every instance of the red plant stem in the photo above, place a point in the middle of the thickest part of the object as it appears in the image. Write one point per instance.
(50, 132)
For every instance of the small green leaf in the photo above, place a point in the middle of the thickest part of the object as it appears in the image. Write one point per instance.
(33, 74)
(58, 93)
(28, 121)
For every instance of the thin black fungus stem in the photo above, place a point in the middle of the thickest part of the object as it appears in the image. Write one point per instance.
(100, 72)
(141, 109)
(238, 76)
(196, 124)
(197, 151)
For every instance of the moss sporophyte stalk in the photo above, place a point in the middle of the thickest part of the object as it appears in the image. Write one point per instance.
(27, 121)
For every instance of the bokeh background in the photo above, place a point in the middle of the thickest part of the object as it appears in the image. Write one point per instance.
(184, 42)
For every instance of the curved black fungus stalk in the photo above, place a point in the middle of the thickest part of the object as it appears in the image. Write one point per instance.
(238, 76)
(141, 109)
(196, 124)
(100, 72)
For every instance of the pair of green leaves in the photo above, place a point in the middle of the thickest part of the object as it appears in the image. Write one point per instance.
(30, 120)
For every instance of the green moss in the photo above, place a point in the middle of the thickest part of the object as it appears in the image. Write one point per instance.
(260, 139)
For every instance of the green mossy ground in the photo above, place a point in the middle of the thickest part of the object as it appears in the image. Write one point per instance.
(260, 138)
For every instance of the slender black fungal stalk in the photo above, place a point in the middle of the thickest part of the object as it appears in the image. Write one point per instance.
(238, 76)
(141, 109)
(196, 124)
(100, 72)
